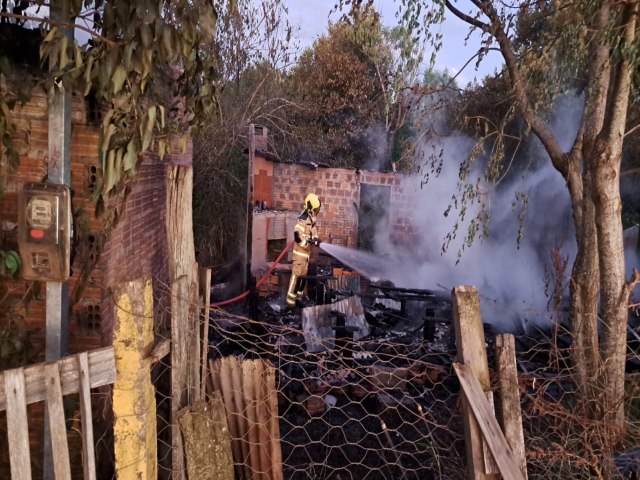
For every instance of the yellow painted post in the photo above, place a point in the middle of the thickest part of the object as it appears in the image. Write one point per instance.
(134, 405)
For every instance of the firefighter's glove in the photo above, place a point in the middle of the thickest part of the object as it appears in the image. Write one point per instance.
(316, 241)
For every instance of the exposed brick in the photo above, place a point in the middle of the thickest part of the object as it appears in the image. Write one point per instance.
(137, 245)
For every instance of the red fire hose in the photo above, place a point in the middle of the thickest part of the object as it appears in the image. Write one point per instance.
(260, 282)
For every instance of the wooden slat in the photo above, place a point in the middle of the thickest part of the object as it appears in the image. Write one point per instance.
(102, 371)
(249, 394)
(261, 419)
(88, 450)
(510, 411)
(276, 448)
(230, 376)
(241, 408)
(227, 399)
(471, 349)
(17, 425)
(57, 424)
(487, 422)
(205, 293)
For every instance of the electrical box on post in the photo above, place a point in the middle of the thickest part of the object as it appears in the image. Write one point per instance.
(44, 231)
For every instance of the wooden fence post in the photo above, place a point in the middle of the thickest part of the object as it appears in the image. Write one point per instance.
(471, 349)
(204, 276)
(134, 405)
(509, 412)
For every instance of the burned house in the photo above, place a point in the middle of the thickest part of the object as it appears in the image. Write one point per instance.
(357, 205)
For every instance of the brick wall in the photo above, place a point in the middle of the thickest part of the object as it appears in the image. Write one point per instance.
(136, 246)
(138, 243)
(339, 191)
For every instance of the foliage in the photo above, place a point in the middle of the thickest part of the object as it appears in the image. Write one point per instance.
(336, 84)
(251, 88)
(14, 342)
(10, 263)
(141, 56)
(353, 87)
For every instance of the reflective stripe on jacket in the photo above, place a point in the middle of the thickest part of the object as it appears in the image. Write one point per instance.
(306, 229)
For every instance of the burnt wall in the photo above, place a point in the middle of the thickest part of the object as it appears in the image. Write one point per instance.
(339, 189)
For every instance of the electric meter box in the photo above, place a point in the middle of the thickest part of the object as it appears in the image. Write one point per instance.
(44, 231)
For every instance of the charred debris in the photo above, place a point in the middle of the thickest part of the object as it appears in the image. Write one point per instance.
(405, 331)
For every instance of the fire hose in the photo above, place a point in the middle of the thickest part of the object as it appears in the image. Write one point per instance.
(260, 282)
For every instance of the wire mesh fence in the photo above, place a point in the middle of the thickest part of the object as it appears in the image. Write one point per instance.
(384, 406)
(388, 406)
(362, 410)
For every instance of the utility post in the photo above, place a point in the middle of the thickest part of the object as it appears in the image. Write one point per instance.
(249, 224)
(58, 172)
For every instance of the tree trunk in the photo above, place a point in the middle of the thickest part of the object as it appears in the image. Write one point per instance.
(613, 288)
(584, 305)
(183, 275)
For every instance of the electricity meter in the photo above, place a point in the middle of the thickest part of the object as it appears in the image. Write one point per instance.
(44, 231)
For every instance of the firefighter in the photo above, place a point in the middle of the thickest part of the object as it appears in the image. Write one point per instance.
(305, 235)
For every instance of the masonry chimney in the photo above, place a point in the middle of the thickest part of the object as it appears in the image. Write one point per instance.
(261, 137)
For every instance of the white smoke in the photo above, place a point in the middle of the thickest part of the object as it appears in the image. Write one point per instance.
(510, 275)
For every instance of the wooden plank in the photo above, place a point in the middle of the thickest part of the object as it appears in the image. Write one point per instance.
(510, 414)
(231, 381)
(248, 392)
(102, 371)
(276, 448)
(88, 448)
(489, 463)
(471, 350)
(17, 425)
(57, 423)
(204, 275)
(487, 422)
(261, 418)
(227, 400)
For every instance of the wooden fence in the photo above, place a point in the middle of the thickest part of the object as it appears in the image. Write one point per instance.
(50, 382)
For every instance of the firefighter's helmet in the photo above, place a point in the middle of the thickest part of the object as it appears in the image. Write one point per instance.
(312, 203)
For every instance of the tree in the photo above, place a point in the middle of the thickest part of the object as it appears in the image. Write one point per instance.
(354, 87)
(335, 83)
(126, 56)
(598, 43)
(253, 49)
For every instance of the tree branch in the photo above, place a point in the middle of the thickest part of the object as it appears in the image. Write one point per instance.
(631, 130)
(467, 19)
(614, 121)
(634, 281)
(59, 23)
(558, 157)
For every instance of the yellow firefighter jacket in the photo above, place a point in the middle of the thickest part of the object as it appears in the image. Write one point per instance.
(304, 231)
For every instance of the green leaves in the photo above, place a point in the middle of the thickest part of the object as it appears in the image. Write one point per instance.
(11, 263)
(143, 55)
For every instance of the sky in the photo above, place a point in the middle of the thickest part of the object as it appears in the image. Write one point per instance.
(312, 16)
